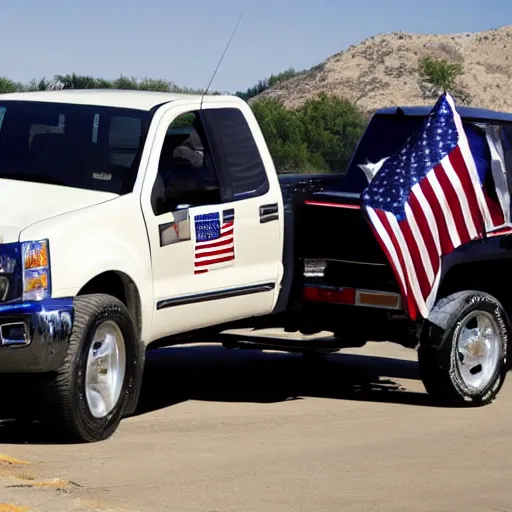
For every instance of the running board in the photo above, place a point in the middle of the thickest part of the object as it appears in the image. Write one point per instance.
(258, 342)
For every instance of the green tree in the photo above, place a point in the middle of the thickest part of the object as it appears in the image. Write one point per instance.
(74, 81)
(282, 76)
(159, 85)
(7, 85)
(332, 127)
(440, 73)
(319, 137)
(267, 83)
(284, 135)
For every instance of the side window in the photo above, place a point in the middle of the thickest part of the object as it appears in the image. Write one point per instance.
(124, 139)
(186, 174)
(235, 152)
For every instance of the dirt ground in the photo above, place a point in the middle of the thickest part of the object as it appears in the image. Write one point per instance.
(240, 431)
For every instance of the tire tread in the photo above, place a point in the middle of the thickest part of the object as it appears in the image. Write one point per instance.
(59, 391)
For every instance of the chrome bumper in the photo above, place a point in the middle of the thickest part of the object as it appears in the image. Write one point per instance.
(34, 335)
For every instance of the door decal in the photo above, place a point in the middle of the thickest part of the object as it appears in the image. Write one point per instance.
(215, 241)
(176, 231)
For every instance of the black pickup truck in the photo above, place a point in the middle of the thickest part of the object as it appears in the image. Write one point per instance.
(350, 288)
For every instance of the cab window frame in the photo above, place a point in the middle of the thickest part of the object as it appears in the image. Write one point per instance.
(159, 204)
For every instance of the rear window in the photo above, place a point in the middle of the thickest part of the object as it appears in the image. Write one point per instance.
(81, 146)
(384, 136)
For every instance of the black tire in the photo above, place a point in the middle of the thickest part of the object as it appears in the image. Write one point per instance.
(437, 353)
(64, 398)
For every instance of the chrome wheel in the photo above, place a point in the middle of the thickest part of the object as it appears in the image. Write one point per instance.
(105, 369)
(478, 349)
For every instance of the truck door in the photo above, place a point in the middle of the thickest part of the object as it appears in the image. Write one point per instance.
(214, 220)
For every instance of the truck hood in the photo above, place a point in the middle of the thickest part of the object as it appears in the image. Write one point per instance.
(23, 203)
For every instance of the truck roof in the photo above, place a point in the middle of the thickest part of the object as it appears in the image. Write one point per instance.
(480, 114)
(142, 100)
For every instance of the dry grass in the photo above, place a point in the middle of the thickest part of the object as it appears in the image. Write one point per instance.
(7, 460)
(383, 71)
(8, 507)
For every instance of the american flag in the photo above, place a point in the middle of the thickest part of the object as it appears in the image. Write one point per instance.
(215, 241)
(425, 201)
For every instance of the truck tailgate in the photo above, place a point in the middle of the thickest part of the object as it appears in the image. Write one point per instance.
(335, 234)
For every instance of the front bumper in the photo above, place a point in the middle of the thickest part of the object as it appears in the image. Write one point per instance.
(34, 335)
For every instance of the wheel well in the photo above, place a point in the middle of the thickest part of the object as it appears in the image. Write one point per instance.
(484, 276)
(121, 286)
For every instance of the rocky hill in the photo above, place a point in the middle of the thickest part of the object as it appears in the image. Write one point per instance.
(384, 71)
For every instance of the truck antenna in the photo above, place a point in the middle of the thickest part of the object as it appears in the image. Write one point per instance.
(220, 61)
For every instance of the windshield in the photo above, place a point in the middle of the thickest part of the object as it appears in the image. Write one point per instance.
(81, 146)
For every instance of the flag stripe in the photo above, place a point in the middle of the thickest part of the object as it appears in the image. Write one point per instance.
(205, 256)
(201, 251)
(214, 260)
(495, 211)
(383, 217)
(433, 294)
(419, 204)
(213, 245)
(461, 198)
(411, 242)
(445, 209)
(424, 228)
(420, 242)
(414, 285)
(387, 247)
(454, 205)
(457, 162)
(439, 218)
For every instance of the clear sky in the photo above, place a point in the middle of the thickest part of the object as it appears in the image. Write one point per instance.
(182, 40)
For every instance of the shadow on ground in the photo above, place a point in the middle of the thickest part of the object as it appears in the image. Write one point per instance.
(213, 373)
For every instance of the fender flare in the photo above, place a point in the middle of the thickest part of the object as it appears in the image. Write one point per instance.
(443, 310)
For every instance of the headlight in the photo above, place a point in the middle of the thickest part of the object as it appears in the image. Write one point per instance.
(36, 270)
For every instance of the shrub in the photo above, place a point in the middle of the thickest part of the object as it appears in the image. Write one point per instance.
(267, 83)
(440, 73)
(318, 137)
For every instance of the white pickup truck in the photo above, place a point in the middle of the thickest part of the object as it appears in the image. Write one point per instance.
(131, 220)
(127, 217)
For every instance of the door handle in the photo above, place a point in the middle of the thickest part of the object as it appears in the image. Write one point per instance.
(269, 212)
